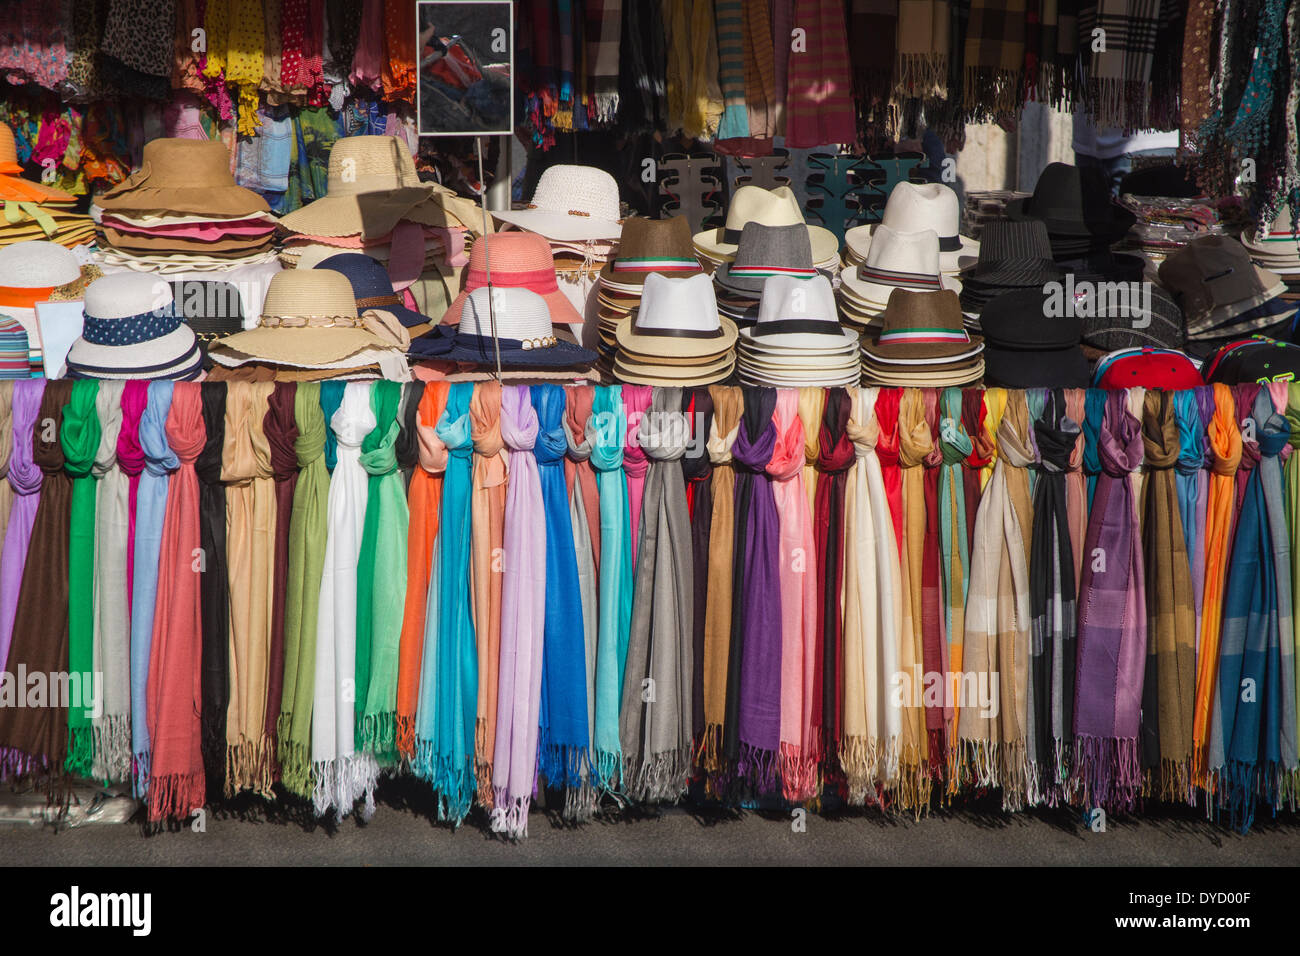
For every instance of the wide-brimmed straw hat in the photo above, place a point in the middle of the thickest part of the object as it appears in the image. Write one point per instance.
(186, 176)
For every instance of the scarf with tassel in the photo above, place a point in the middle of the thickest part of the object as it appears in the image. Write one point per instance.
(921, 67)
(697, 471)
(175, 686)
(655, 719)
(835, 455)
(955, 446)
(604, 32)
(214, 582)
(1112, 623)
(79, 437)
(605, 430)
(1168, 694)
(308, 530)
(281, 431)
(25, 478)
(799, 748)
(523, 619)
(563, 755)
(994, 57)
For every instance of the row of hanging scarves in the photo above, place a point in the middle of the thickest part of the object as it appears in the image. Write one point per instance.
(623, 594)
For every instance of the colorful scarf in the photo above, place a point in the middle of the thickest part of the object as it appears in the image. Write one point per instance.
(954, 545)
(835, 455)
(731, 68)
(697, 470)
(6, 449)
(280, 434)
(1193, 485)
(79, 437)
(636, 402)
(25, 478)
(820, 106)
(584, 517)
(604, 26)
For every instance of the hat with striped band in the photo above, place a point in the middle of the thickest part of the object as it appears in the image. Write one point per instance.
(652, 245)
(798, 314)
(898, 260)
(763, 252)
(915, 206)
(524, 333)
(917, 325)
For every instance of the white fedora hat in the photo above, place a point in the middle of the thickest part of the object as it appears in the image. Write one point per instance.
(132, 330)
(677, 318)
(771, 207)
(796, 314)
(912, 207)
(571, 203)
(898, 260)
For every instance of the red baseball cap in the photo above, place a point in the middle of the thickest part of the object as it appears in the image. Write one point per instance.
(1147, 368)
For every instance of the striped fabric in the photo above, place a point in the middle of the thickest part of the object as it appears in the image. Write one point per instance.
(820, 107)
(764, 272)
(14, 360)
(657, 264)
(905, 280)
(925, 335)
(760, 72)
(731, 68)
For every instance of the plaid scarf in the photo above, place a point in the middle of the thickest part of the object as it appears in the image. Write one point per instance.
(1112, 622)
(604, 35)
(994, 57)
(1120, 75)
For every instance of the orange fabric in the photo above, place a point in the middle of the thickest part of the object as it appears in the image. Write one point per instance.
(1225, 441)
(399, 75)
(424, 498)
(17, 298)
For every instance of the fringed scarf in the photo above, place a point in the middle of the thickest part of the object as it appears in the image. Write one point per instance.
(636, 401)
(280, 432)
(819, 102)
(697, 470)
(1120, 72)
(799, 749)
(835, 455)
(604, 32)
(563, 754)
(112, 627)
(25, 478)
(584, 515)
(214, 582)
(605, 430)
(1168, 693)
(175, 686)
(1052, 602)
(730, 21)
(79, 437)
(728, 404)
(1192, 484)
(1094, 409)
(488, 506)
(523, 619)
(1112, 623)
(954, 548)
(994, 56)
(655, 718)
(1076, 485)
(921, 68)
(308, 531)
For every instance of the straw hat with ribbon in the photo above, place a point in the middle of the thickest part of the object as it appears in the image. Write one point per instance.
(570, 204)
(525, 335)
(40, 271)
(771, 207)
(132, 329)
(13, 187)
(519, 260)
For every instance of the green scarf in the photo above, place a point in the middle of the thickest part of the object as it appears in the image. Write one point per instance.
(79, 436)
(307, 533)
(381, 579)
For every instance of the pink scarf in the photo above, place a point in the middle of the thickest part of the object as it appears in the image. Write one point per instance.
(636, 401)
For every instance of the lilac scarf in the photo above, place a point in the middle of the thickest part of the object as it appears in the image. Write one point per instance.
(25, 479)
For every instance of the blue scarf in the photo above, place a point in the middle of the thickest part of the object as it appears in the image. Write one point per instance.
(1191, 441)
(1094, 411)
(151, 505)
(444, 748)
(563, 757)
(331, 397)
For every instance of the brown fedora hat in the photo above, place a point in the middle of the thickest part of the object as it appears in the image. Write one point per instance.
(918, 325)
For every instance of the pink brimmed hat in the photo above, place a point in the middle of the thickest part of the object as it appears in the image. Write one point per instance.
(519, 260)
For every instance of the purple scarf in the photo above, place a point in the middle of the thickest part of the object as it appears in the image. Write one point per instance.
(1112, 622)
(25, 478)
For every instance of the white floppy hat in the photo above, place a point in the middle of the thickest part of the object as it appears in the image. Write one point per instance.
(912, 207)
(571, 203)
(771, 207)
(898, 260)
(132, 330)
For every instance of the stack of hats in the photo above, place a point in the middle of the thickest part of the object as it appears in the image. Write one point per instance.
(1256, 359)
(576, 210)
(913, 207)
(377, 205)
(1278, 251)
(1224, 296)
(1013, 255)
(647, 246)
(762, 252)
(33, 271)
(34, 210)
(797, 339)
(525, 338)
(921, 343)
(984, 206)
(676, 336)
(895, 260)
(131, 329)
(310, 329)
(1166, 369)
(1027, 344)
(770, 207)
(1076, 206)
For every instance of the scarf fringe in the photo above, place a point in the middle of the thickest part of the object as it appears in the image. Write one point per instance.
(977, 763)
(1118, 102)
(112, 744)
(758, 768)
(19, 763)
(1176, 781)
(406, 735)
(603, 108)
(580, 802)
(140, 774)
(454, 781)
(914, 781)
(563, 765)
(81, 750)
(921, 75)
(1108, 771)
(342, 781)
(377, 734)
(798, 773)
(706, 752)
(176, 796)
(660, 777)
(988, 90)
(608, 765)
(484, 793)
(510, 816)
(295, 758)
(250, 765)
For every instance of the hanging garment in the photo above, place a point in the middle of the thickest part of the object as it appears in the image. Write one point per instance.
(1291, 493)
(79, 437)
(381, 579)
(654, 719)
(25, 479)
(174, 689)
(636, 402)
(584, 516)
(606, 430)
(523, 619)
(34, 738)
(308, 532)
(954, 549)
(799, 750)
(281, 431)
(488, 505)
(1112, 623)
(424, 497)
(1168, 693)
(6, 449)
(214, 582)
(697, 470)
(448, 703)
(1094, 410)
(921, 69)
(112, 625)
(342, 773)
(407, 446)
(834, 457)
(150, 508)
(563, 756)
(728, 405)
(731, 62)
(1076, 485)
(811, 409)
(1192, 485)
(820, 107)
(981, 456)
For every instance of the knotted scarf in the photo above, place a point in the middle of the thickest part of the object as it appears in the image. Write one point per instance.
(1112, 622)
(655, 719)
(448, 704)
(1168, 693)
(34, 737)
(812, 406)
(1291, 492)
(800, 749)
(563, 755)
(835, 455)
(424, 498)
(584, 516)
(697, 470)
(150, 509)
(342, 773)
(79, 437)
(636, 401)
(488, 504)
(308, 529)
(280, 435)
(214, 581)
(407, 446)
(523, 619)
(25, 479)
(112, 627)
(175, 685)
(605, 430)
(728, 404)
(1243, 397)
(381, 578)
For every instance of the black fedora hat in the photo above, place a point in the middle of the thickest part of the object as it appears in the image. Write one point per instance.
(1073, 202)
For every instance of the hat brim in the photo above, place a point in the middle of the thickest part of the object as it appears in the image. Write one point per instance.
(824, 244)
(918, 351)
(368, 214)
(669, 375)
(305, 346)
(175, 355)
(674, 345)
(561, 309)
(858, 240)
(479, 350)
(635, 280)
(827, 344)
(560, 226)
(873, 293)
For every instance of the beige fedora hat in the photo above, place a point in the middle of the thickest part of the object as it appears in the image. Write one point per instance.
(898, 260)
(915, 206)
(771, 207)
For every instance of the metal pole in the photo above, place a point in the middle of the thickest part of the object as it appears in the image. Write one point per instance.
(487, 263)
